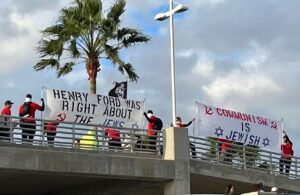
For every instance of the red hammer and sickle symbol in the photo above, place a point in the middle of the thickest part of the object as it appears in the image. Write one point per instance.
(274, 125)
(208, 110)
(61, 116)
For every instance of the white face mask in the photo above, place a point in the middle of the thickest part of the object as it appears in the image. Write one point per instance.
(28, 100)
(149, 115)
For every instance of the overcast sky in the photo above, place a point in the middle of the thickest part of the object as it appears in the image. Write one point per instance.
(236, 54)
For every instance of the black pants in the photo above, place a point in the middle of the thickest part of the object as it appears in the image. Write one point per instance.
(50, 137)
(114, 144)
(152, 142)
(28, 131)
(4, 133)
(285, 162)
(193, 150)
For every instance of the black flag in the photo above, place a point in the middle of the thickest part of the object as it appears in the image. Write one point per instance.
(119, 90)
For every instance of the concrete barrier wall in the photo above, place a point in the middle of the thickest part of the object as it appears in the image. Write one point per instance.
(88, 163)
(230, 174)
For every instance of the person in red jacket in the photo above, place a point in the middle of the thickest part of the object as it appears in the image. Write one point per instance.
(50, 128)
(4, 126)
(114, 140)
(181, 125)
(151, 131)
(27, 111)
(224, 149)
(286, 155)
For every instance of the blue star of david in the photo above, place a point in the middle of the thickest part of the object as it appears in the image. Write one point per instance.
(219, 131)
(135, 126)
(266, 142)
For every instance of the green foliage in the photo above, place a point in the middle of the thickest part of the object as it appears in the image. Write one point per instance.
(83, 33)
(212, 148)
(247, 154)
(239, 155)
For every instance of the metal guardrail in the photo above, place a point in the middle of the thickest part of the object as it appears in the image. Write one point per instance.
(93, 137)
(79, 136)
(243, 157)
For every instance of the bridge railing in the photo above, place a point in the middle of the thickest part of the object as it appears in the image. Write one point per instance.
(79, 136)
(243, 157)
(94, 137)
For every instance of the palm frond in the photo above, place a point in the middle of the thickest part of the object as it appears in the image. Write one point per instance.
(46, 63)
(67, 68)
(53, 47)
(112, 53)
(53, 30)
(117, 10)
(129, 36)
(108, 28)
(129, 70)
(73, 49)
(93, 9)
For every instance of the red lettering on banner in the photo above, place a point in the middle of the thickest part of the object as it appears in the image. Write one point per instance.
(208, 110)
(262, 121)
(219, 111)
(235, 115)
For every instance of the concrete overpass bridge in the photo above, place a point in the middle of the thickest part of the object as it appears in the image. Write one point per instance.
(96, 168)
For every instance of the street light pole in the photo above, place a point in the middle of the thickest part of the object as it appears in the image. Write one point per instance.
(162, 16)
(172, 63)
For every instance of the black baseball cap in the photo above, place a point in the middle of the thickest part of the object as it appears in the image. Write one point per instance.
(8, 102)
(150, 111)
(29, 95)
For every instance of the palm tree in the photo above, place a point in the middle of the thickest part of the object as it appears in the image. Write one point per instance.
(83, 35)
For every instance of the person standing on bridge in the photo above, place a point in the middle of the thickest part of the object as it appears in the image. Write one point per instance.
(181, 125)
(4, 125)
(50, 128)
(114, 139)
(27, 111)
(151, 132)
(224, 147)
(286, 155)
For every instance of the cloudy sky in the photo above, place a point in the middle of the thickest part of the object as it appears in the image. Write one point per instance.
(236, 54)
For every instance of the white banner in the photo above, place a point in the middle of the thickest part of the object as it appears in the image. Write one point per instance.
(85, 108)
(238, 127)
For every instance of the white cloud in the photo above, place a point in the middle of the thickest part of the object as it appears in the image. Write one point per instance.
(242, 86)
(186, 53)
(19, 50)
(209, 2)
(255, 58)
(204, 69)
(75, 78)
